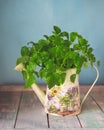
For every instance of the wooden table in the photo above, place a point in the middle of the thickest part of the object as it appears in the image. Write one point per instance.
(20, 109)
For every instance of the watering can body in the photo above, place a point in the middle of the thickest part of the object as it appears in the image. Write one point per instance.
(63, 100)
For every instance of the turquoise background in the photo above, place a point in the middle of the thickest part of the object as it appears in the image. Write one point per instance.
(25, 20)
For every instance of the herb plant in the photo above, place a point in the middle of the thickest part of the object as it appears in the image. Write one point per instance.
(51, 56)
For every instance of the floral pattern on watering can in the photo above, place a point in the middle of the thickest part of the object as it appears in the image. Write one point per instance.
(64, 100)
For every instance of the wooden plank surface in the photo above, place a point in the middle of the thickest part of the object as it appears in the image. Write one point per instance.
(9, 102)
(31, 113)
(11, 88)
(64, 122)
(91, 115)
(54, 129)
(59, 129)
(21, 110)
(98, 96)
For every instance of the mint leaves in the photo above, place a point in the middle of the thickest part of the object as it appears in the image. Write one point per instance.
(53, 55)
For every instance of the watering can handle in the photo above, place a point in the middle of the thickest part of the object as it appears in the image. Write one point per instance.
(97, 76)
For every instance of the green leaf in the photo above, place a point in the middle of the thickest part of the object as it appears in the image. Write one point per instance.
(92, 58)
(55, 79)
(98, 63)
(36, 74)
(72, 54)
(85, 64)
(73, 36)
(24, 51)
(73, 77)
(62, 78)
(31, 66)
(42, 73)
(31, 42)
(90, 50)
(50, 66)
(50, 80)
(29, 81)
(76, 46)
(64, 34)
(25, 75)
(21, 60)
(82, 41)
(46, 36)
(57, 29)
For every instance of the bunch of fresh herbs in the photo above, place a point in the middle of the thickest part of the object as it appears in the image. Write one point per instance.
(53, 55)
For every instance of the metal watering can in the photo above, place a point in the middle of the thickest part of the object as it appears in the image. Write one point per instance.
(63, 100)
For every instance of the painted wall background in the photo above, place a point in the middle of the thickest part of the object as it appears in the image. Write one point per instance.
(25, 20)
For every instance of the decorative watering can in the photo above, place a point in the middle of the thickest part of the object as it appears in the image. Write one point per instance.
(60, 100)
(63, 100)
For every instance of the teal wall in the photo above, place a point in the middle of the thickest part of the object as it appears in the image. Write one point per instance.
(25, 20)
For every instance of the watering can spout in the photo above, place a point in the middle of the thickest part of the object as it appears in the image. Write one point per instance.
(38, 91)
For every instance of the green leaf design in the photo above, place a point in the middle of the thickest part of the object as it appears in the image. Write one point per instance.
(73, 77)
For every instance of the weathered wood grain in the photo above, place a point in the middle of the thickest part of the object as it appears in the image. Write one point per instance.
(91, 116)
(64, 122)
(7, 129)
(31, 113)
(97, 94)
(10, 88)
(9, 102)
(14, 88)
(60, 129)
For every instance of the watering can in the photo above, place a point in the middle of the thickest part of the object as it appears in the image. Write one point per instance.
(63, 100)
